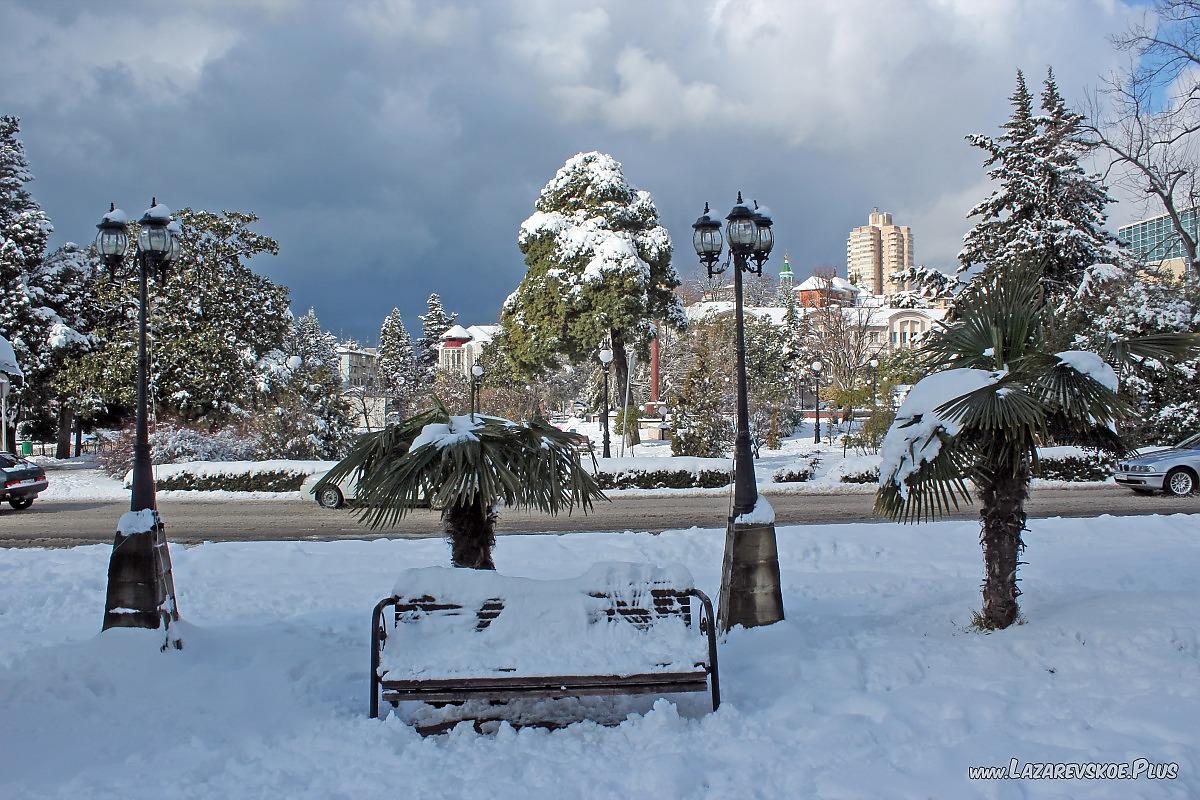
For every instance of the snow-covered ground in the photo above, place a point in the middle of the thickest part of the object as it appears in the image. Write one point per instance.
(872, 688)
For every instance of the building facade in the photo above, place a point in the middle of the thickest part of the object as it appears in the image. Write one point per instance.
(1154, 241)
(461, 347)
(875, 250)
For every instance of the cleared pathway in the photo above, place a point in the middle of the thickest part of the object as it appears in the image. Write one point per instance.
(61, 523)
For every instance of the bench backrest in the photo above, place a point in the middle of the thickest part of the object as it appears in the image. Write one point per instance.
(665, 603)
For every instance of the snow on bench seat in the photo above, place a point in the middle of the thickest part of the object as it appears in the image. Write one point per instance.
(544, 628)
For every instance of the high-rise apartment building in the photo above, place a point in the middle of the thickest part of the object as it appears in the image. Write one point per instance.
(875, 250)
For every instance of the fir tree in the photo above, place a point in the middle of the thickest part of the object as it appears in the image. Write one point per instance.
(598, 271)
(307, 416)
(211, 323)
(400, 376)
(434, 323)
(1046, 206)
(24, 231)
(701, 396)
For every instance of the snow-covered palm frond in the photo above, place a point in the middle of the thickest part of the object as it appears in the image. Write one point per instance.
(435, 459)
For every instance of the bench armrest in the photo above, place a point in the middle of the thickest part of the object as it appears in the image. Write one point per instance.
(378, 634)
(708, 625)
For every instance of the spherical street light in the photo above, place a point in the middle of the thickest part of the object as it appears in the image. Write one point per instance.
(476, 381)
(477, 371)
(874, 362)
(606, 356)
(817, 366)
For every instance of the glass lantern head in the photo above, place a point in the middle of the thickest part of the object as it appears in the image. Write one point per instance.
(741, 228)
(112, 238)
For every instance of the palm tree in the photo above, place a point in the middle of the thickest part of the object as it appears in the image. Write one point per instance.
(994, 390)
(467, 466)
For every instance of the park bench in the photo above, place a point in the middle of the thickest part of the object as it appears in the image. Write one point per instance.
(458, 634)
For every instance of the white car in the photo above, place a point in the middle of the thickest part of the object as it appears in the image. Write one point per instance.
(334, 495)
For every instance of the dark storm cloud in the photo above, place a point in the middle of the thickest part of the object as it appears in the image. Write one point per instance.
(393, 147)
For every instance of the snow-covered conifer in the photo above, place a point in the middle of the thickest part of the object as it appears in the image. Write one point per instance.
(434, 322)
(400, 376)
(307, 416)
(598, 270)
(1045, 204)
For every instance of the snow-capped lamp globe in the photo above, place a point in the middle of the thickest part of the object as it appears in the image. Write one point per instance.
(765, 239)
(176, 246)
(741, 228)
(706, 238)
(817, 366)
(112, 237)
(477, 371)
(874, 363)
(154, 236)
(606, 356)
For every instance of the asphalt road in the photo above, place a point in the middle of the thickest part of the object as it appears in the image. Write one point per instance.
(61, 523)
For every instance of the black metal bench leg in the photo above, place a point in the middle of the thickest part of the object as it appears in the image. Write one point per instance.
(377, 637)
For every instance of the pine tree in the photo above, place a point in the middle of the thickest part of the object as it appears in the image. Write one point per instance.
(1045, 206)
(434, 322)
(400, 376)
(24, 231)
(307, 416)
(598, 271)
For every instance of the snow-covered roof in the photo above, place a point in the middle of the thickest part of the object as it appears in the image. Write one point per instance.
(482, 334)
(835, 283)
(8, 359)
(457, 332)
(880, 315)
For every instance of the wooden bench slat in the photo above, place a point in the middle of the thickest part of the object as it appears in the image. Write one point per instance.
(511, 681)
(462, 694)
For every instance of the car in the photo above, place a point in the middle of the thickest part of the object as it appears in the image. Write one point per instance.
(339, 494)
(333, 495)
(1174, 470)
(21, 481)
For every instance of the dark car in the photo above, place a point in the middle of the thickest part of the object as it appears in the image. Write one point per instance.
(20, 481)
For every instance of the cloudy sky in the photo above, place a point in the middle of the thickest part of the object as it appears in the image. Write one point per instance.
(394, 146)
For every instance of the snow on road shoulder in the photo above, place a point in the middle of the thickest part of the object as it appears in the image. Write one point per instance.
(872, 687)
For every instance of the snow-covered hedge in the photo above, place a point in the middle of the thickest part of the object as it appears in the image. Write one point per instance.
(1073, 464)
(177, 444)
(236, 476)
(792, 474)
(662, 473)
(862, 476)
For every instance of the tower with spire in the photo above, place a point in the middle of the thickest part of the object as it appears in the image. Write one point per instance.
(787, 281)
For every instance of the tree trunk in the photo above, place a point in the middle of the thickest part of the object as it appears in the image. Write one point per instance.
(621, 362)
(471, 530)
(1002, 521)
(66, 420)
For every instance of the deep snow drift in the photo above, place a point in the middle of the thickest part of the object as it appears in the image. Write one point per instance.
(871, 688)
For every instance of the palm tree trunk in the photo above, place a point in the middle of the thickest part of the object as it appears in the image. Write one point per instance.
(471, 529)
(1002, 521)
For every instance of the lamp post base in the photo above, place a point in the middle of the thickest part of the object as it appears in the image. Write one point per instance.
(751, 592)
(141, 587)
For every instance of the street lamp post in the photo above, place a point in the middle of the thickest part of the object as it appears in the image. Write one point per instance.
(750, 587)
(817, 366)
(476, 383)
(141, 590)
(4, 386)
(874, 364)
(606, 357)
